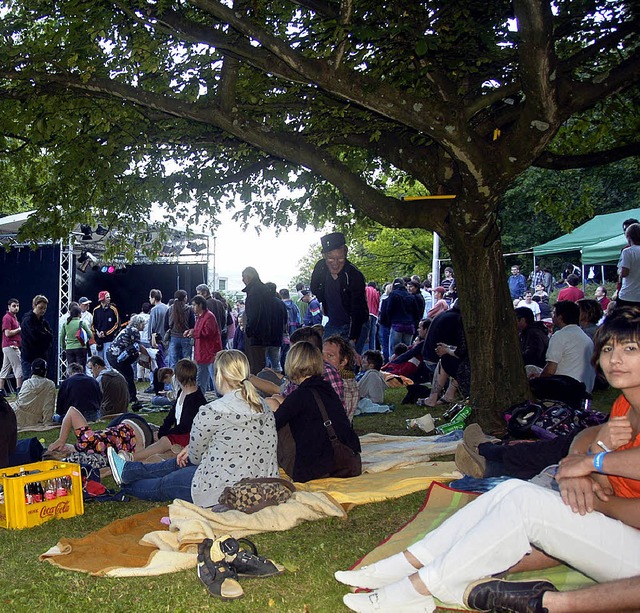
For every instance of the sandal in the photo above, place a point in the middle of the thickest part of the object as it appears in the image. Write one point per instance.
(216, 574)
(248, 563)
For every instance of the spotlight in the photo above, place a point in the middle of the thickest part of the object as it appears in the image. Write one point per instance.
(101, 230)
(111, 270)
(196, 247)
(104, 269)
(83, 257)
(87, 234)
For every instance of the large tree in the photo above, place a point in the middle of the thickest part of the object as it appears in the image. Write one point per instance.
(333, 98)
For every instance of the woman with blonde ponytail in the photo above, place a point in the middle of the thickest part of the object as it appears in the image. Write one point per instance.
(232, 438)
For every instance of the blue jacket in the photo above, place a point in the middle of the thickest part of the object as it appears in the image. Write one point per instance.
(517, 286)
(400, 307)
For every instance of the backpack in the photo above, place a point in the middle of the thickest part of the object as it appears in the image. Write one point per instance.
(548, 419)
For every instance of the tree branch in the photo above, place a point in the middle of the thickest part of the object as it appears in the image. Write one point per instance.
(347, 84)
(554, 161)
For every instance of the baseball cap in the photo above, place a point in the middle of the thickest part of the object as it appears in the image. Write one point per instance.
(84, 300)
(101, 295)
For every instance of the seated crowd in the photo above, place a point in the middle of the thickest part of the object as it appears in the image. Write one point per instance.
(285, 416)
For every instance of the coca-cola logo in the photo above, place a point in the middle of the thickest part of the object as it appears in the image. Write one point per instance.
(51, 511)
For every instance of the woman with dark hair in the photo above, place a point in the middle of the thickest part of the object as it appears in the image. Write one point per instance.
(75, 335)
(180, 318)
(589, 519)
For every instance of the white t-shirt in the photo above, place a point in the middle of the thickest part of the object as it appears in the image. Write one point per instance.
(534, 306)
(630, 258)
(571, 349)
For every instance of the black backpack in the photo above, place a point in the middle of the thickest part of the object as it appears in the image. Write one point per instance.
(547, 419)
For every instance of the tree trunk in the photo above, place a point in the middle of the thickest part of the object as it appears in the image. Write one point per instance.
(497, 371)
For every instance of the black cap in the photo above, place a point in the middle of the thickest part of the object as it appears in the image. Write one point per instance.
(332, 241)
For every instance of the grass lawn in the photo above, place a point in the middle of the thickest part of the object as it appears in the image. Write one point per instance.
(310, 552)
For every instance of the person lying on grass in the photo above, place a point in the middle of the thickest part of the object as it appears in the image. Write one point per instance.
(592, 523)
(232, 438)
(125, 433)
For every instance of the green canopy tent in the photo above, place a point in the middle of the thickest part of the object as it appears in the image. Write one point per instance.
(604, 252)
(599, 230)
(599, 240)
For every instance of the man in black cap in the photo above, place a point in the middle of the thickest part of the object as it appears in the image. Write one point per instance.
(340, 287)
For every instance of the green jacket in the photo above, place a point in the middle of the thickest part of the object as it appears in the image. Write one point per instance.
(68, 332)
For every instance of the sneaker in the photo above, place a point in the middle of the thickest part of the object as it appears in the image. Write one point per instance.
(469, 462)
(249, 563)
(116, 463)
(215, 573)
(507, 596)
(136, 406)
(127, 456)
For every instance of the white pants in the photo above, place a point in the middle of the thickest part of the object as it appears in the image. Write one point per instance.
(496, 531)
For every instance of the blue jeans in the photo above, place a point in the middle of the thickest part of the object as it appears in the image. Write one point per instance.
(203, 377)
(179, 348)
(158, 482)
(399, 337)
(373, 331)
(383, 333)
(273, 358)
(103, 353)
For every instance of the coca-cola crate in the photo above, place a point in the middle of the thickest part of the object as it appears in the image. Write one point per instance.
(35, 493)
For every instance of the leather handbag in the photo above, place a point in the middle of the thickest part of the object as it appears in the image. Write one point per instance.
(346, 461)
(251, 495)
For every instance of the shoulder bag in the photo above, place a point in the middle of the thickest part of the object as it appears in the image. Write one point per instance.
(346, 461)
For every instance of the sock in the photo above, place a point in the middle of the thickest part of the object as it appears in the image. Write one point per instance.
(379, 574)
(398, 596)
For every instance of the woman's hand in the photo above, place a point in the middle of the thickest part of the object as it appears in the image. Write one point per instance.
(183, 457)
(57, 445)
(615, 433)
(578, 493)
(575, 465)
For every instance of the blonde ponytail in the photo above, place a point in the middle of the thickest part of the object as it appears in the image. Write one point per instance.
(232, 367)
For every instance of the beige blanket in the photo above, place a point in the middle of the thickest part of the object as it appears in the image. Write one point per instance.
(382, 452)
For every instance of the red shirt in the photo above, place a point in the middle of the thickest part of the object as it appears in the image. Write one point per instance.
(571, 293)
(604, 303)
(373, 300)
(623, 486)
(10, 322)
(207, 339)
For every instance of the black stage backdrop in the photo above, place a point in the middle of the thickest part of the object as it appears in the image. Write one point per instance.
(25, 273)
(129, 287)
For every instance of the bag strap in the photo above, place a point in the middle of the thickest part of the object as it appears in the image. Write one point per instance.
(323, 411)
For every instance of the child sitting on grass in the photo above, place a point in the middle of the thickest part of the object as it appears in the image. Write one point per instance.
(371, 385)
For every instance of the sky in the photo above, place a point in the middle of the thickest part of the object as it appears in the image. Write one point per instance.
(274, 257)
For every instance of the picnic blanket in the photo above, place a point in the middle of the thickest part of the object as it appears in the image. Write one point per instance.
(142, 546)
(382, 452)
(440, 503)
